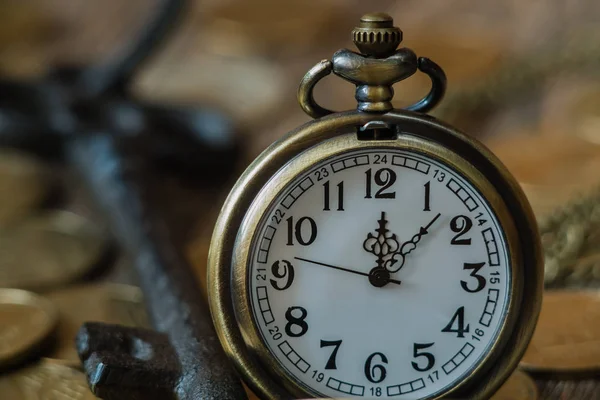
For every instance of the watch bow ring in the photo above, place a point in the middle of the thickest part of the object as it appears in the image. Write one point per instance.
(374, 71)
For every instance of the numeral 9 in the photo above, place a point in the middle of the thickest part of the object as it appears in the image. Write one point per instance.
(280, 270)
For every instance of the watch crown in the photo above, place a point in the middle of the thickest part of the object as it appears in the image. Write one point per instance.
(376, 35)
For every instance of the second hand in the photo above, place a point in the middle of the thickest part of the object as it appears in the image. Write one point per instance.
(397, 282)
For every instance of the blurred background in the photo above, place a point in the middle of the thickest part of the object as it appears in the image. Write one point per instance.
(523, 77)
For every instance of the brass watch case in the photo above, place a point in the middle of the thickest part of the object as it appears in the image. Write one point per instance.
(335, 134)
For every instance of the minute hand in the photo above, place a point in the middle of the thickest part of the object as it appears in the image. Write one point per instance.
(409, 246)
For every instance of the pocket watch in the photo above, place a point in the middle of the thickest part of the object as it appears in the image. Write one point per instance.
(376, 252)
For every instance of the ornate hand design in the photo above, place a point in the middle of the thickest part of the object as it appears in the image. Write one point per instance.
(384, 245)
(390, 255)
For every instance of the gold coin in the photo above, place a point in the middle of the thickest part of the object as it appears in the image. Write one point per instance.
(109, 303)
(23, 185)
(26, 321)
(45, 381)
(49, 250)
(519, 386)
(567, 336)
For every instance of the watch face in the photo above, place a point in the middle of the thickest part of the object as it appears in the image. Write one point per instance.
(379, 273)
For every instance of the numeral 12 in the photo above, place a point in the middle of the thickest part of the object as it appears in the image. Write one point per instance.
(384, 178)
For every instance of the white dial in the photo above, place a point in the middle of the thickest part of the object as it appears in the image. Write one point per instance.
(379, 273)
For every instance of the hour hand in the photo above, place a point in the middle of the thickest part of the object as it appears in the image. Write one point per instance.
(384, 244)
